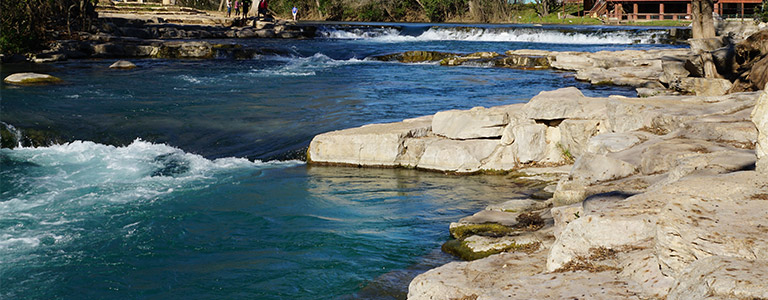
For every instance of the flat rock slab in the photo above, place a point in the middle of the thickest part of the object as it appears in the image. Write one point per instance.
(489, 216)
(478, 122)
(30, 78)
(519, 205)
(720, 277)
(460, 279)
(370, 145)
(516, 276)
(721, 215)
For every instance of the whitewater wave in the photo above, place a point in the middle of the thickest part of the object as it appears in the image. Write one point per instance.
(301, 66)
(530, 35)
(48, 190)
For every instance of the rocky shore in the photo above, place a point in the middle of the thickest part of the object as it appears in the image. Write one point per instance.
(145, 31)
(656, 197)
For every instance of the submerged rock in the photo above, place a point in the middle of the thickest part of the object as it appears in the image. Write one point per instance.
(122, 64)
(31, 78)
(195, 49)
(415, 56)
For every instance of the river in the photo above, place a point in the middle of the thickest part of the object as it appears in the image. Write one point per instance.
(185, 178)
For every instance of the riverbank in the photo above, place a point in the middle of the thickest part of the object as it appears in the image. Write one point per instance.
(662, 194)
(650, 213)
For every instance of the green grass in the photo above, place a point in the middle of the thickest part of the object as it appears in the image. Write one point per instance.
(678, 23)
(527, 14)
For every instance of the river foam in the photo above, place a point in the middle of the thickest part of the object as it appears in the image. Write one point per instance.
(47, 190)
(498, 34)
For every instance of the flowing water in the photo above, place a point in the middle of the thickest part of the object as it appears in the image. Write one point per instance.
(183, 178)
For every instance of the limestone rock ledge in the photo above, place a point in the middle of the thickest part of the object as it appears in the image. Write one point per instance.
(554, 128)
(662, 202)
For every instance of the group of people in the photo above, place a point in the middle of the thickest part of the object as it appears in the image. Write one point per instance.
(239, 5)
(244, 5)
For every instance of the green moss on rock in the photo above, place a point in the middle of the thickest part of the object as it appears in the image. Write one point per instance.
(461, 249)
(487, 229)
(415, 56)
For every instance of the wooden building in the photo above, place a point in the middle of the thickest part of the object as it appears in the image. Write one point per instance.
(666, 9)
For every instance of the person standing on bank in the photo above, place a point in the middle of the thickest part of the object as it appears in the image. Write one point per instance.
(245, 8)
(295, 11)
(229, 8)
(237, 8)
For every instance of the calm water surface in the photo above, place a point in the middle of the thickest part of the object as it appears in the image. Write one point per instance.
(181, 178)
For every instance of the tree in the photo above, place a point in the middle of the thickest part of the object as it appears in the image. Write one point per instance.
(28, 24)
(544, 7)
(704, 36)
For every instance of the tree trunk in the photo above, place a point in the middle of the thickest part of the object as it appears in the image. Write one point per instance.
(422, 5)
(703, 25)
(703, 29)
(319, 12)
(696, 29)
(707, 22)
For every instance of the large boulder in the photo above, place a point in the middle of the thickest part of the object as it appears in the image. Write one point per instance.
(30, 78)
(530, 142)
(415, 56)
(575, 135)
(674, 70)
(370, 145)
(565, 103)
(721, 215)
(592, 168)
(758, 75)
(184, 49)
(610, 221)
(703, 86)
(760, 118)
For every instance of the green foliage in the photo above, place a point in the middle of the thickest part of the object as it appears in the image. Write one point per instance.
(441, 10)
(566, 153)
(761, 14)
(27, 24)
(372, 12)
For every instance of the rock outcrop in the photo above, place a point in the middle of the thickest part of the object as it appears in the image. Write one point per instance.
(661, 195)
(554, 127)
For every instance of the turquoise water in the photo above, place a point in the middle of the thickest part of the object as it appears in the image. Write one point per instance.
(184, 178)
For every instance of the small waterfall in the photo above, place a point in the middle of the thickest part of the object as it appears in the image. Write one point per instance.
(531, 34)
(11, 137)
